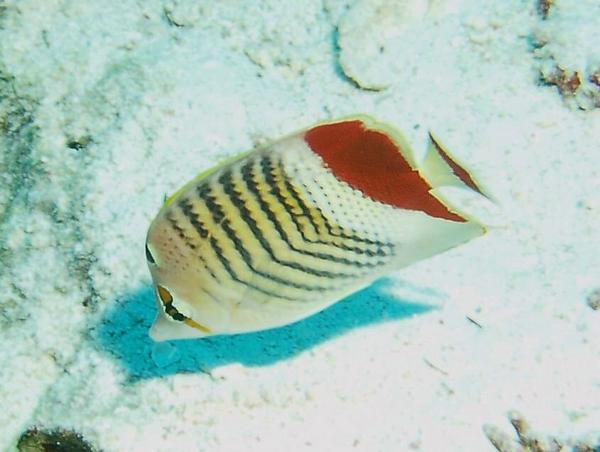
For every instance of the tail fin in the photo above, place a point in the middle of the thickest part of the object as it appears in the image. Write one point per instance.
(440, 169)
(452, 182)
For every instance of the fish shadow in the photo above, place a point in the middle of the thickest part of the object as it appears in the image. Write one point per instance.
(123, 333)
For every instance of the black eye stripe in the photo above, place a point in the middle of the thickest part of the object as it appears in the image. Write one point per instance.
(149, 256)
(167, 300)
(172, 312)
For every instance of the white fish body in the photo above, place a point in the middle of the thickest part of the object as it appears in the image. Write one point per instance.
(284, 231)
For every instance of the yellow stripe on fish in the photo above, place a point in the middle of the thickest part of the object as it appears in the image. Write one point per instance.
(282, 232)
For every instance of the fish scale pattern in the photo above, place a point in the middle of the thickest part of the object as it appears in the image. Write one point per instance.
(283, 232)
(253, 226)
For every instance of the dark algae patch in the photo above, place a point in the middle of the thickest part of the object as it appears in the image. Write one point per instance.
(57, 440)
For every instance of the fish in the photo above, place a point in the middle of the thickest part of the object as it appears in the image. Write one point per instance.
(279, 233)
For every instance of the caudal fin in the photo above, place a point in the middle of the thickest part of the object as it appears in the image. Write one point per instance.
(443, 170)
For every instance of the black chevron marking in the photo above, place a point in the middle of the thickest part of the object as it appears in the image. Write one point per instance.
(278, 192)
(180, 232)
(266, 167)
(271, 176)
(252, 186)
(217, 212)
(226, 264)
(187, 209)
(311, 215)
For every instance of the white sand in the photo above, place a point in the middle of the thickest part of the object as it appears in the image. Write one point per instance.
(156, 91)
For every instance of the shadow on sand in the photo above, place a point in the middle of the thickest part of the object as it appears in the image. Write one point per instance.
(124, 333)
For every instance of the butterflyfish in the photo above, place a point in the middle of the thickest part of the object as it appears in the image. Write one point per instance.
(279, 233)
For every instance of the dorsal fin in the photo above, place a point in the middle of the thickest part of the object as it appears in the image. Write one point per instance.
(378, 162)
(203, 175)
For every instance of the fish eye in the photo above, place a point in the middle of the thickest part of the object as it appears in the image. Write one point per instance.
(149, 256)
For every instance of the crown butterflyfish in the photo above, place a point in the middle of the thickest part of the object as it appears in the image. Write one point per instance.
(279, 233)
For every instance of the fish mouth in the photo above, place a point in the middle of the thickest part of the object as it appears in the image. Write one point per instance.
(165, 329)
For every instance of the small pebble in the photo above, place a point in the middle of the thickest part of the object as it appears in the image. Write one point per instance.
(230, 372)
(164, 353)
(593, 299)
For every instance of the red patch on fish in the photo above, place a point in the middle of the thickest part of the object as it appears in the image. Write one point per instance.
(369, 161)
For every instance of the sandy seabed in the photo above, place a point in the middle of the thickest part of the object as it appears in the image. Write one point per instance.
(106, 107)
